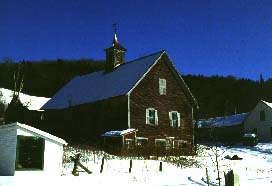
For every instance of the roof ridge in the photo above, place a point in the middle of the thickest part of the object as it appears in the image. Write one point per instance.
(145, 56)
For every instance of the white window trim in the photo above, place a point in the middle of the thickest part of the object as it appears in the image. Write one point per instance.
(147, 117)
(162, 86)
(140, 140)
(171, 120)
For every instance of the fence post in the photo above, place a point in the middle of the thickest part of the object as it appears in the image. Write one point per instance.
(75, 169)
(160, 169)
(207, 177)
(231, 179)
(102, 165)
(130, 166)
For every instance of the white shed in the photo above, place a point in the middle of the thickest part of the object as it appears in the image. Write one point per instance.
(25, 148)
(259, 121)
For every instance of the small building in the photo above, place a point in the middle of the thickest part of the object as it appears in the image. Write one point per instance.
(224, 129)
(115, 140)
(259, 121)
(25, 148)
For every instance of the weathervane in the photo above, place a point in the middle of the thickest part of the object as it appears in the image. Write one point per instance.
(115, 30)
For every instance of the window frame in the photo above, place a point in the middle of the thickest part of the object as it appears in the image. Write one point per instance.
(147, 117)
(162, 86)
(141, 141)
(171, 119)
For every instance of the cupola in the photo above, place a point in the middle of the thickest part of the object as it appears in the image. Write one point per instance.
(115, 55)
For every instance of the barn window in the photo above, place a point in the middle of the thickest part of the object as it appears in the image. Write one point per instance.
(174, 118)
(162, 86)
(151, 116)
(262, 115)
(29, 153)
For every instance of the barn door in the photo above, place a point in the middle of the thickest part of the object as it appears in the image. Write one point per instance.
(29, 153)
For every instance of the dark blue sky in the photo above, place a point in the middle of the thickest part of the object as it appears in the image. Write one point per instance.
(209, 37)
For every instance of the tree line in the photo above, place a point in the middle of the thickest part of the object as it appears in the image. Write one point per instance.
(216, 95)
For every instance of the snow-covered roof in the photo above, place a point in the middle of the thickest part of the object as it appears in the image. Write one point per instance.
(222, 121)
(35, 131)
(267, 103)
(119, 132)
(101, 85)
(32, 102)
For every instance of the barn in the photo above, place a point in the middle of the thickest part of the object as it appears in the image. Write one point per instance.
(147, 94)
(25, 148)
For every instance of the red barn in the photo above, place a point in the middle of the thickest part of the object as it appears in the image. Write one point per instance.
(147, 94)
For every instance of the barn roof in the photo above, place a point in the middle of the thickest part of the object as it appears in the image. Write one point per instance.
(103, 85)
(100, 85)
(222, 121)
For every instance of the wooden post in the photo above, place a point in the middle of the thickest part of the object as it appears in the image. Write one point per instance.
(207, 177)
(102, 165)
(130, 166)
(76, 161)
(160, 169)
(232, 179)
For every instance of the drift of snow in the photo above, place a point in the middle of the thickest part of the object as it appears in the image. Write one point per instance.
(32, 102)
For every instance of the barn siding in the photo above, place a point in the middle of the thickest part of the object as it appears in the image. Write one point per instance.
(8, 141)
(87, 122)
(146, 95)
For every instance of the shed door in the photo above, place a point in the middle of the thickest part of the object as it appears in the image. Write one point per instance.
(30, 153)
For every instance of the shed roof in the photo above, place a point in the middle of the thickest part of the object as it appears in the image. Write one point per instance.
(118, 132)
(222, 121)
(33, 130)
(267, 103)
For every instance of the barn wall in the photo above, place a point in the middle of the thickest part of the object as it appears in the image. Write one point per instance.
(263, 127)
(8, 141)
(87, 122)
(146, 95)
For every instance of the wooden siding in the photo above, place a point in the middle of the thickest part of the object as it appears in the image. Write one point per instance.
(146, 95)
(87, 122)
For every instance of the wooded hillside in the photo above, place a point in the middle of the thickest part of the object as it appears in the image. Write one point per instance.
(216, 95)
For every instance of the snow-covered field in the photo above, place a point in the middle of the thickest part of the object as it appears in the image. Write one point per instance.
(254, 169)
(32, 102)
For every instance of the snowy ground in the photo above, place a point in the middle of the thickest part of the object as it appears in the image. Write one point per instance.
(254, 169)
(32, 102)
